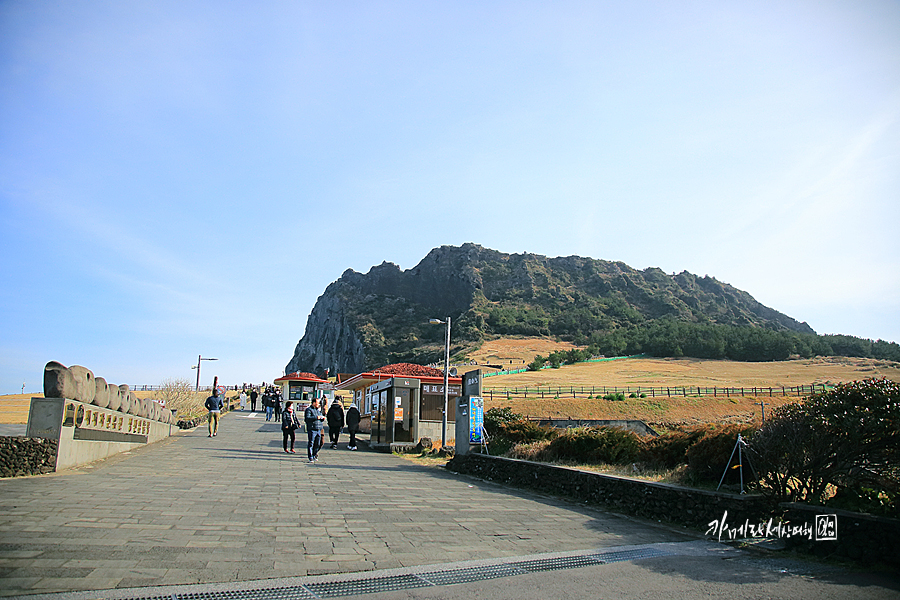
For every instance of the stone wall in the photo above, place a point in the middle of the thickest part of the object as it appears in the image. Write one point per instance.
(860, 537)
(658, 501)
(21, 456)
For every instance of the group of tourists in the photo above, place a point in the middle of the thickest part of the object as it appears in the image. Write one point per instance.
(271, 401)
(252, 398)
(313, 418)
(315, 423)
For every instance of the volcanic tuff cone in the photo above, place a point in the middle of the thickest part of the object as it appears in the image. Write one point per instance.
(363, 321)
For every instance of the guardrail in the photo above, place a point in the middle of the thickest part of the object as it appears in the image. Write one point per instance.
(156, 388)
(597, 391)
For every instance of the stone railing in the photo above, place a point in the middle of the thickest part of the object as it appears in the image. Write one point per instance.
(88, 419)
(79, 383)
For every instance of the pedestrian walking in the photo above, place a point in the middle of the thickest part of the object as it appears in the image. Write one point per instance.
(313, 418)
(289, 424)
(335, 422)
(276, 403)
(253, 396)
(214, 406)
(268, 404)
(352, 425)
(243, 400)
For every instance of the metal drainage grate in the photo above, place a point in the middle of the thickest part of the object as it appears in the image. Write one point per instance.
(283, 593)
(557, 564)
(472, 574)
(372, 585)
(637, 554)
(335, 589)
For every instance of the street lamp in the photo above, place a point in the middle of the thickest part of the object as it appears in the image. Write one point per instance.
(446, 375)
(199, 358)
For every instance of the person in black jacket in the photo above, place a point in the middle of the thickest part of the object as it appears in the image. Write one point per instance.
(335, 422)
(313, 418)
(276, 403)
(352, 425)
(214, 406)
(289, 424)
(268, 405)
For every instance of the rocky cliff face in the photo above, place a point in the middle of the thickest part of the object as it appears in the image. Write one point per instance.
(330, 341)
(363, 321)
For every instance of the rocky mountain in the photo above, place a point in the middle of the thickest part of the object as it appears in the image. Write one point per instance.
(363, 321)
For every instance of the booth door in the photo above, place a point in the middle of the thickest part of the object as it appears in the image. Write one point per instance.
(379, 426)
(402, 419)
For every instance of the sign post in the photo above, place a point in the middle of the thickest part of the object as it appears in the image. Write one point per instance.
(468, 413)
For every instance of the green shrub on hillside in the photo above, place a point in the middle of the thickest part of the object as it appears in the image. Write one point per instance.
(523, 432)
(494, 418)
(846, 439)
(537, 364)
(669, 450)
(866, 500)
(611, 445)
(708, 457)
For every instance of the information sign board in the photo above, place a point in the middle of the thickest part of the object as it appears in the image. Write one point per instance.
(476, 419)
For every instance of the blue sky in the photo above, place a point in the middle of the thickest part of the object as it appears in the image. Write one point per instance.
(184, 178)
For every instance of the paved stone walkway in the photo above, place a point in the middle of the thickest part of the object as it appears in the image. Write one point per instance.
(194, 509)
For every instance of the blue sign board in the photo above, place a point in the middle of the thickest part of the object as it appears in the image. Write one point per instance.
(476, 419)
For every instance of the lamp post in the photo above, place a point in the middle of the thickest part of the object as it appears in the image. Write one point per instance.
(446, 376)
(200, 358)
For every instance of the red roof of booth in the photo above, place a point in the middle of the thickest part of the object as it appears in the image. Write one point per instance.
(413, 371)
(297, 376)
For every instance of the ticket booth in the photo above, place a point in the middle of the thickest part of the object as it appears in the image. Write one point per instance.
(400, 407)
(301, 388)
(394, 418)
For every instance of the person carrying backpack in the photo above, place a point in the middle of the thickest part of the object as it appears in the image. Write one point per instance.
(335, 422)
(352, 425)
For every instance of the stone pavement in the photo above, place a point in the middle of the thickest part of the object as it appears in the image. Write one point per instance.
(194, 509)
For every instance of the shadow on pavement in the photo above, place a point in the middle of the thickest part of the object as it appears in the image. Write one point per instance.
(750, 567)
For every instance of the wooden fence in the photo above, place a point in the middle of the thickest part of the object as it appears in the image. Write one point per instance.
(596, 391)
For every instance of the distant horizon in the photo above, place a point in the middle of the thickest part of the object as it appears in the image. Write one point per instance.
(208, 385)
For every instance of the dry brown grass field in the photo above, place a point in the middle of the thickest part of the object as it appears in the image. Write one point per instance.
(14, 407)
(516, 351)
(663, 412)
(662, 372)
